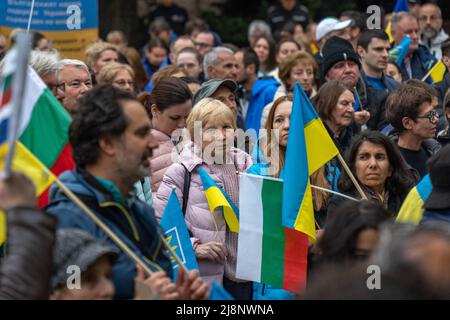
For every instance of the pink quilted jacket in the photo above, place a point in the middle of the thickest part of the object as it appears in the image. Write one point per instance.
(199, 219)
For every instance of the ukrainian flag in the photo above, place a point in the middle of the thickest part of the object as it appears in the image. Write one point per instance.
(399, 53)
(216, 197)
(412, 208)
(436, 74)
(309, 148)
(400, 6)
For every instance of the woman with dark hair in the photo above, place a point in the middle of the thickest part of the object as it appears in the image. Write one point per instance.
(380, 170)
(169, 105)
(335, 105)
(351, 233)
(264, 47)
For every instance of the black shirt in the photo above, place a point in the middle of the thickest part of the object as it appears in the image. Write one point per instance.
(416, 159)
(278, 17)
(175, 16)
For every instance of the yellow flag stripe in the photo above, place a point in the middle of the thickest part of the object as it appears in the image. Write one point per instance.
(305, 217)
(216, 199)
(320, 148)
(412, 208)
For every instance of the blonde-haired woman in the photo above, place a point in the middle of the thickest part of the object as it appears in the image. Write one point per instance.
(100, 54)
(214, 244)
(119, 75)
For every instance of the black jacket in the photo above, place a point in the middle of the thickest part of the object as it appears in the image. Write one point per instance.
(441, 89)
(277, 17)
(374, 100)
(26, 271)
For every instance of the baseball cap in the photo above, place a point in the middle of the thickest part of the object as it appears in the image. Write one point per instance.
(209, 87)
(331, 24)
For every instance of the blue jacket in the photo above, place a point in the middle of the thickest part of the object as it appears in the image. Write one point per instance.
(264, 291)
(136, 217)
(436, 216)
(263, 92)
(421, 62)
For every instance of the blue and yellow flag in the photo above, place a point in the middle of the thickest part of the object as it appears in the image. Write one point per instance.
(399, 53)
(400, 6)
(216, 197)
(436, 73)
(309, 147)
(177, 235)
(412, 209)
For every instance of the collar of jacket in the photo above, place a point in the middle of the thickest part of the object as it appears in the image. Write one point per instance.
(361, 91)
(440, 38)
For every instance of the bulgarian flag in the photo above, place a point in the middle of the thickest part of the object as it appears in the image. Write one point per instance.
(42, 131)
(268, 252)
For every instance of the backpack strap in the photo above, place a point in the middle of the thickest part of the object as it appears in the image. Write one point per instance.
(186, 187)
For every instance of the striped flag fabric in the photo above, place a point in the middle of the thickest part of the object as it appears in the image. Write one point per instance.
(399, 53)
(412, 209)
(309, 147)
(43, 132)
(216, 198)
(400, 6)
(268, 252)
(436, 73)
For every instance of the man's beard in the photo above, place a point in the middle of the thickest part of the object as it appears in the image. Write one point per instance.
(429, 33)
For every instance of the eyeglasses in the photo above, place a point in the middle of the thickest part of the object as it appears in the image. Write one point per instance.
(202, 45)
(430, 116)
(122, 83)
(74, 84)
(425, 18)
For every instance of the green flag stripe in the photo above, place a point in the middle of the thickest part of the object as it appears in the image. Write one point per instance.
(47, 132)
(272, 266)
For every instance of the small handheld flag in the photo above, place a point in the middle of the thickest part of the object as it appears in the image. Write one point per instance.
(216, 197)
(177, 235)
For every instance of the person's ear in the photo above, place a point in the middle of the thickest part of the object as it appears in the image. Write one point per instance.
(108, 145)
(211, 72)
(154, 111)
(446, 61)
(361, 52)
(407, 123)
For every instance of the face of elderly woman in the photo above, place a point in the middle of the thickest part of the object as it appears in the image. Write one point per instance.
(217, 137)
(343, 114)
(124, 81)
(372, 166)
(304, 74)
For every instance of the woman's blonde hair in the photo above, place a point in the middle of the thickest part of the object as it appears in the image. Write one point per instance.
(110, 71)
(209, 109)
(94, 51)
(269, 146)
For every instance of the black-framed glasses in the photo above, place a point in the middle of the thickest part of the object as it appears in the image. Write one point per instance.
(430, 116)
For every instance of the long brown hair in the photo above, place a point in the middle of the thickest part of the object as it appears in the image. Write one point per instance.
(268, 147)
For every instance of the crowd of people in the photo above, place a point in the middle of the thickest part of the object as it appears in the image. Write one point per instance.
(136, 114)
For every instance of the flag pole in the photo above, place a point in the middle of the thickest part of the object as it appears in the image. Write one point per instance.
(430, 71)
(22, 48)
(174, 255)
(352, 177)
(99, 223)
(31, 16)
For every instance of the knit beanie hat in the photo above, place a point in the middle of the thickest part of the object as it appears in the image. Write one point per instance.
(337, 49)
(78, 248)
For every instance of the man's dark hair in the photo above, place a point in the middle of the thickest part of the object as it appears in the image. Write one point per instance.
(100, 113)
(250, 57)
(405, 102)
(366, 37)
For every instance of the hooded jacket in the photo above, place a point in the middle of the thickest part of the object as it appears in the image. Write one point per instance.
(132, 221)
(263, 92)
(199, 220)
(434, 45)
